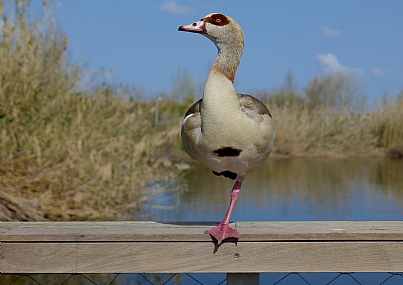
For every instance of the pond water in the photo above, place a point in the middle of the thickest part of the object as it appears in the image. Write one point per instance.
(292, 189)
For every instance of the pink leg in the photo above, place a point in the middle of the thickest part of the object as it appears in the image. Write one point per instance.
(223, 230)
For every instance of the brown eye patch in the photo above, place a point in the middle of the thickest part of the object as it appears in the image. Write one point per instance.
(218, 20)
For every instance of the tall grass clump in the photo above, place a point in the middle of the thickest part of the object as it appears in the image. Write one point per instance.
(331, 118)
(302, 132)
(387, 124)
(66, 152)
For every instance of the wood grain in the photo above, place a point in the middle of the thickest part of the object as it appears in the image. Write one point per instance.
(171, 257)
(154, 231)
(149, 247)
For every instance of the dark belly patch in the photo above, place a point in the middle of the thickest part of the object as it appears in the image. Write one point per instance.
(227, 151)
(228, 174)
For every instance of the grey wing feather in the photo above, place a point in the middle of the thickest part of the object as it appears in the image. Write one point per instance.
(251, 105)
(195, 108)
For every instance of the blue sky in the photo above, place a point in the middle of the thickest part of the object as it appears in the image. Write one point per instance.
(139, 39)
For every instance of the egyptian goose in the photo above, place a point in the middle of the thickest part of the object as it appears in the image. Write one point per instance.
(230, 133)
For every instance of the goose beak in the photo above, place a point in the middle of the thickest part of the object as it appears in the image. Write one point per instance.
(196, 27)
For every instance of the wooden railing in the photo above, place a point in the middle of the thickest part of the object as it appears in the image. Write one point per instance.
(152, 247)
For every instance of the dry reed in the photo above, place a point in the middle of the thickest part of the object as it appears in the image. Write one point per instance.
(66, 153)
(302, 132)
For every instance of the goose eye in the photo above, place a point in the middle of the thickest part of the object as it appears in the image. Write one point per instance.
(217, 20)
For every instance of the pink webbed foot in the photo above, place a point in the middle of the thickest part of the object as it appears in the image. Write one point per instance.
(223, 231)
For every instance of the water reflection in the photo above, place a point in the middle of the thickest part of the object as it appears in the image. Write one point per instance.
(294, 189)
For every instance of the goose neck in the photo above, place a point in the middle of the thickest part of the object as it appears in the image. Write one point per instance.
(228, 59)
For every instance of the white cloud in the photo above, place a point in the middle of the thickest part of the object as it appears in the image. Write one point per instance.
(357, 71)
(379, 72)
(175, 8)
(330, 32)
(331, 64)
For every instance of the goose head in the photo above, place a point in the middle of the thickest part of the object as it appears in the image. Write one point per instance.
(222, 30)
(228, 37)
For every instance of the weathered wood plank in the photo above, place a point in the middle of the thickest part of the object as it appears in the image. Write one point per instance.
(180, 257)
(150, 247)
(153, 231)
